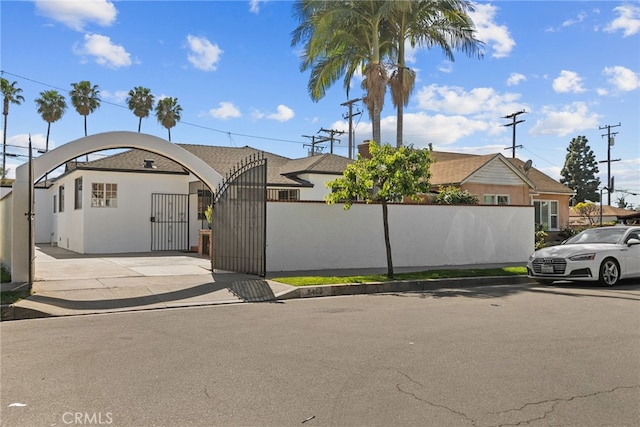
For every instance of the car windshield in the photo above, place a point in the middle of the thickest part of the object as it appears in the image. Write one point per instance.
(597, 235)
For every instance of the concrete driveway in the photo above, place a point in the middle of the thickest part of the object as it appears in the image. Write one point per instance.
(67, 283)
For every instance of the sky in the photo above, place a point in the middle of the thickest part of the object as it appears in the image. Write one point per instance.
(573, 67)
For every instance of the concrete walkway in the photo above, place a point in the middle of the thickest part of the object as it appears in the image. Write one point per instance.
(67, 284)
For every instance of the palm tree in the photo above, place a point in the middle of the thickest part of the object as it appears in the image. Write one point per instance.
(51, 106)
(168, 113)
(11, 95)
(427, 23)
(140, 101)
(85, 99)
(341, 38)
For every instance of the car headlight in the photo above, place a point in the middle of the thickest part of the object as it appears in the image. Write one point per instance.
(583, 257)
(532, 256)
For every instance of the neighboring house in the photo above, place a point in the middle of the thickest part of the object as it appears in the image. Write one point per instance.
(136, 201)
(497, 180)
(606, 215)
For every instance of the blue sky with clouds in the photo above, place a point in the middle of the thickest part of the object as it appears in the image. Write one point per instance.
(573, 66)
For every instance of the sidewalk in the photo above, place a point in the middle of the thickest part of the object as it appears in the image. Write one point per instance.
(69, 284)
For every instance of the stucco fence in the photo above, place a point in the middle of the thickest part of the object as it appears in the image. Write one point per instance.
(316, 236)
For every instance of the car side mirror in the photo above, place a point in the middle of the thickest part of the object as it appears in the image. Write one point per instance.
(633, 241)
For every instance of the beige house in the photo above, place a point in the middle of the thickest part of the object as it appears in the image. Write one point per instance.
(604, 214)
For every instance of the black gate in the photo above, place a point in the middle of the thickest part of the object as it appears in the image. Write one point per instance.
(239, 224)
(169, 222)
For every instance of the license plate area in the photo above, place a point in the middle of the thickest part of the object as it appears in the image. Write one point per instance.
(546, 269)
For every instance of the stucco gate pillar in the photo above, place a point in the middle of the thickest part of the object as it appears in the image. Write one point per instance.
(20, 244)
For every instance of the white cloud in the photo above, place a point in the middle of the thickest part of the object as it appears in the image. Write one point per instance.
(515, 79)
(622, 78)
(254, 5)
(568, 81)
(628, 20)
(569, 22)
(283, 114)
(571, 118)
(482, 101)
(103, 51)
(226, 111)
(76, 14)
(38, 142)
(203, 54)
(493, 35)
(119, 96)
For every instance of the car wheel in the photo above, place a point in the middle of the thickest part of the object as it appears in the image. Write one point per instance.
(609, 272)
(544, 282)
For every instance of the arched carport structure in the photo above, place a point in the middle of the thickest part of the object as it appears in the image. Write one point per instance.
(22, 241)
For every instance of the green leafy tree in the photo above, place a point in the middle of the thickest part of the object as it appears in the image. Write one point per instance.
(580, 170)
(428, 24)
(389, 175)
(168, 113)
(51, 107)
(10, 95)
(140, 101)
(85, 99)
(452, 195)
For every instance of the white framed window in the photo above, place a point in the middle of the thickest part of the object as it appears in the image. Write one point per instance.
(78, 194)
(61, 199)
(55, 203)
(495, 199)
(546, 213)
(104, 195)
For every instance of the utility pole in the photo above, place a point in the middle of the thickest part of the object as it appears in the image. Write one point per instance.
(349, 116)
(331, 138)
(514, 123)
(314, 150)
(610, 142)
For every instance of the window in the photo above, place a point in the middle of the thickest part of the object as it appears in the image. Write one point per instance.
(290, 195)
(104, 195)
(78, 194)
(205, 198)
(61, 198)
(55, 203)
(495, 199)
(546, 213)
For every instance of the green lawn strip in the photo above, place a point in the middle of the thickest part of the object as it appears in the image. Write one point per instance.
(421, 275)
(11, 297)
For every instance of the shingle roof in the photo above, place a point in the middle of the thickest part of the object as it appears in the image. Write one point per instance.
(280, 170)
(454, 168)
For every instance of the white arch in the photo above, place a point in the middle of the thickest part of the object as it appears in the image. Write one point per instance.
(20, 242)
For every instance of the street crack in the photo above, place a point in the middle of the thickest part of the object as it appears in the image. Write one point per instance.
(435, 405)
(554, 403)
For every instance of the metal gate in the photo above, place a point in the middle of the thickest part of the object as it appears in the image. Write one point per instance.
(239, 224)
(169, 222)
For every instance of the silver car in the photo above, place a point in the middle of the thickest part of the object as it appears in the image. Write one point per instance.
(604, 254)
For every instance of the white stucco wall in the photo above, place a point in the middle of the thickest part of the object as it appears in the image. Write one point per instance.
(6, 219)
(318, 191)
(310, 236)
(43, 207)
(125, 228)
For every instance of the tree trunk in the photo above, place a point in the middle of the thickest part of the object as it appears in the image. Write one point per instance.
(4, 148)
(387, 240)
(139, 124)
(169, 130)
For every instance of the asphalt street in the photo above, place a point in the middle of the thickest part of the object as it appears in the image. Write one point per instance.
(485, 356)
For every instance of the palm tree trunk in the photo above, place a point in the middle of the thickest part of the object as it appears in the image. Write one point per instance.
(169, 130)
(400, 112)
(139, 124)
(387, 240)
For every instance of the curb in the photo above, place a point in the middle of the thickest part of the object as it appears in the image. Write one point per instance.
(402, 286)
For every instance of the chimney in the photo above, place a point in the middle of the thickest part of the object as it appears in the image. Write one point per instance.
(148, 164)
(363, 149)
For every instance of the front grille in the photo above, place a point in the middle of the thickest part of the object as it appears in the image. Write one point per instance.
(559, 265)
